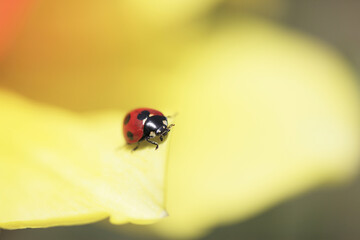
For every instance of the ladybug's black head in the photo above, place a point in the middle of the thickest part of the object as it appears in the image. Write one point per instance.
(156, 125)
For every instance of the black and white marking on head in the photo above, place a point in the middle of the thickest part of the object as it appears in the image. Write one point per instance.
(161, 129)
(155, 125)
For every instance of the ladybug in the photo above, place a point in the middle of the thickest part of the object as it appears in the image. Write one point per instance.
(144, 124)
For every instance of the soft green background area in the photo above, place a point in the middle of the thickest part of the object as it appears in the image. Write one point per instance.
(322, 214)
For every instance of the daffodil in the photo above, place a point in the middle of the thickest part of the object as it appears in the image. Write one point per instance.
(264, 114)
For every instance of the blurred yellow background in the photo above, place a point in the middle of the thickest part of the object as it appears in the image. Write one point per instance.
(268, 106)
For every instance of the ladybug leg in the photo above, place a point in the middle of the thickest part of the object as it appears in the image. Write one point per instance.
(164, 134)
(152, 142)
(138, 144)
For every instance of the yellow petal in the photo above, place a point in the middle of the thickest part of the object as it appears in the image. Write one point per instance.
(60, 168)
(264, 114)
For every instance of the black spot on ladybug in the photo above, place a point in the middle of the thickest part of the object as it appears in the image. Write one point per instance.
(144, 114)
(127, 119)
(130, 135)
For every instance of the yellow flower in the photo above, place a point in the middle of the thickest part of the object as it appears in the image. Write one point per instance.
(264, 113)
(59, 168)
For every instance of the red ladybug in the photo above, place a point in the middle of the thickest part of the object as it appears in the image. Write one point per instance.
(143, 124)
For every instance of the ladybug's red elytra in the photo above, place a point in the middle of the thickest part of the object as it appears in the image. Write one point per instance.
(143, 124)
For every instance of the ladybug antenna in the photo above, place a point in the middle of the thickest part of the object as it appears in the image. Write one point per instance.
(165, 132)
(172, 116)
